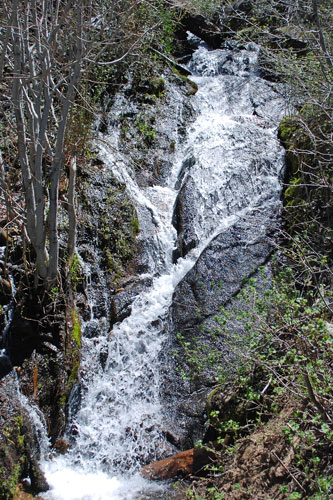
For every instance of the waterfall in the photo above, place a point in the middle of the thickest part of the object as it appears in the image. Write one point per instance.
(236, 166)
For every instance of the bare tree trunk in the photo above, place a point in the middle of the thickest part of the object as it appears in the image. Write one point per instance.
(4, 189)
(45, 44)
(59, 159)
(71, 209)
(35, 232)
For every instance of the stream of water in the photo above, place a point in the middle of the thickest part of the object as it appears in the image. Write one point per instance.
(237, 167)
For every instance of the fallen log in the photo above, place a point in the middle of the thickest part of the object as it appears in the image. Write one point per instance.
(186, 463)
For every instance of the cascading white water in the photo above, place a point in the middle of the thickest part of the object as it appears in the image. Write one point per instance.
(237, 166)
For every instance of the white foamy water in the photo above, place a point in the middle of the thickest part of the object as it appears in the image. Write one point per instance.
(76, 484)
(237, 165)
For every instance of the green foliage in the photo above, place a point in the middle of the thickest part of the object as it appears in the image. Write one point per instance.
(79, 128)
(102, 77)
(297, 50)
(13, 440)
(285, 356)
(54, 294)
(147, 131)
(134, 222)
(8, 485)
(70, 382)
(294, 496)
(76, 329)
(159, 11)
(157, 86)
(73, 358)
(75, 271)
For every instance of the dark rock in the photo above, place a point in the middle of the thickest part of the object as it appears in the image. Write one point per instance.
(92, 329)
(99, 311)
(44, 378)
(204, 29)
(5, 365)
(182, 46)
(61, 446)
(220, 273)
(84, 310)
(121, 302)
(186, 166)
(291, 37)
(233, 17)
(23, 338)
(26, 482)
(103, 356)
(74, 402)
(183, 219)
(244, 6)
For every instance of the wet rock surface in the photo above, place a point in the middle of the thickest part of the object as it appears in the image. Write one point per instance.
(115, 239)
(229, 162)
(219, 275)
(110, 254)
(148, 118)
(229, 194)
(123, 298)
(221, 269)
(185, 207)
(214, 31)
(6, 365)
(204, 29)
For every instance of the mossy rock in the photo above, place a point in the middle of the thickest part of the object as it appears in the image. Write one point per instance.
(18, 451)
(191, 87)
(118, 227)
(156, 86)
(292, 194)
(287, 130)
(291, 37)
(148, 88)
(288, 133)
(47, 376)
(302, 160)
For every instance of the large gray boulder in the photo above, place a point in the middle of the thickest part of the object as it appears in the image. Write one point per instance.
(214, 283)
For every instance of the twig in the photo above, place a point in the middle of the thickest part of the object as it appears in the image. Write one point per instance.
(288, 471)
